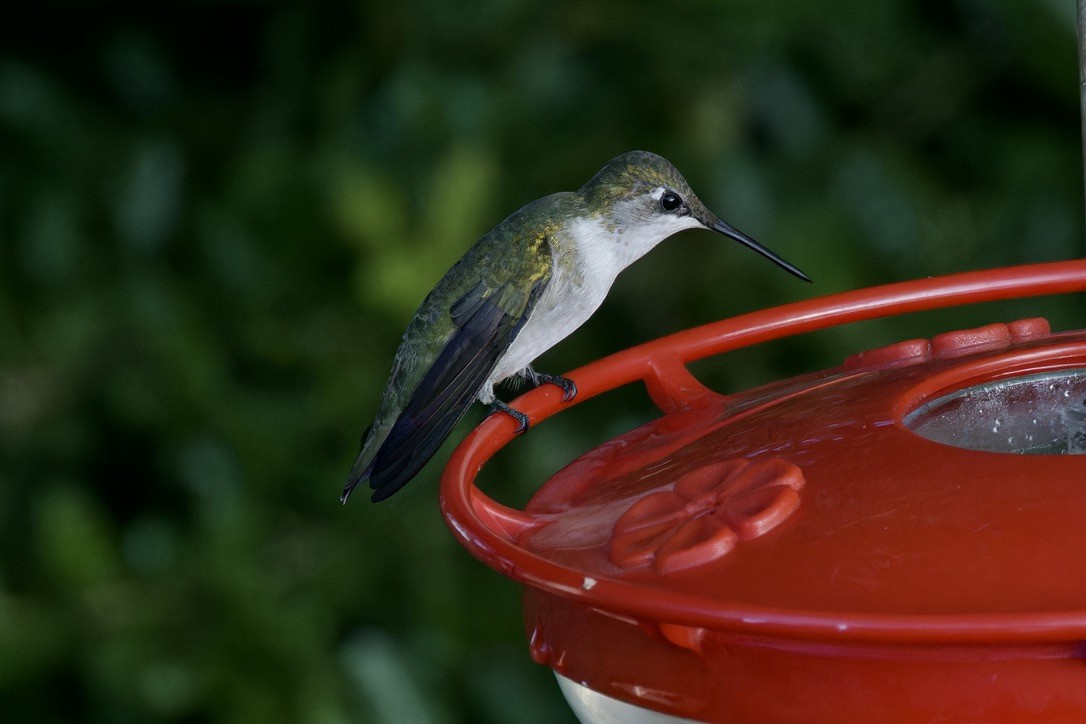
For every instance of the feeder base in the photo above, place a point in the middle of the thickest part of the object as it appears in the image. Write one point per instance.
(592, 707)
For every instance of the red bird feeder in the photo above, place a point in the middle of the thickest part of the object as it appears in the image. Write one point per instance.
(901, 538)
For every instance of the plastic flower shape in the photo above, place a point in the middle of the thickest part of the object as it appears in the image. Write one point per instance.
(706, 514)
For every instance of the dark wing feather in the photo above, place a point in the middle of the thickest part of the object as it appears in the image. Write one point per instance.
(484, 331)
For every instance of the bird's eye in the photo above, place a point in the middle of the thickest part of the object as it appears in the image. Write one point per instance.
(670, 201)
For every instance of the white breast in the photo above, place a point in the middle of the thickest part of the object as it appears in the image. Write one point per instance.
(578, 286)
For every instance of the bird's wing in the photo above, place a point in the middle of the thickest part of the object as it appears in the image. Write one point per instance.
(484, 321)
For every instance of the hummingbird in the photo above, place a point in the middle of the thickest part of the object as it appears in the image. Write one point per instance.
(519, 290)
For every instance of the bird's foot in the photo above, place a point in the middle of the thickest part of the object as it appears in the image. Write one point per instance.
(520, 417)
(569, 387)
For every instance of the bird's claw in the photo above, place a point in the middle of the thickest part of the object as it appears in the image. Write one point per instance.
(569, 387)
(520, 417)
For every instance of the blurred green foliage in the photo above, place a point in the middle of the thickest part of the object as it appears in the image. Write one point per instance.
(217, 219)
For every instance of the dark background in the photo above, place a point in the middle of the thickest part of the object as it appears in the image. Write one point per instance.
(217, 219)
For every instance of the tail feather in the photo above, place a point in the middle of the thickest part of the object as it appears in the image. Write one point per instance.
(440, 401)
(484, 331)
(402, 454)
(405, 461)
(352, 482)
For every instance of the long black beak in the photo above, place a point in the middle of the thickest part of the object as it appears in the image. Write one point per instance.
(734, 233)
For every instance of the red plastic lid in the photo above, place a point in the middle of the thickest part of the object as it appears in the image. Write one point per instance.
(814, 500)
(869, 503)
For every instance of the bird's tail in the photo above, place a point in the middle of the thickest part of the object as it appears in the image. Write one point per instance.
(390, 460)
(363, 465)
(357, 476)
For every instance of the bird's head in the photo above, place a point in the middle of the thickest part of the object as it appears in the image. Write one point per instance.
(643, 194)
